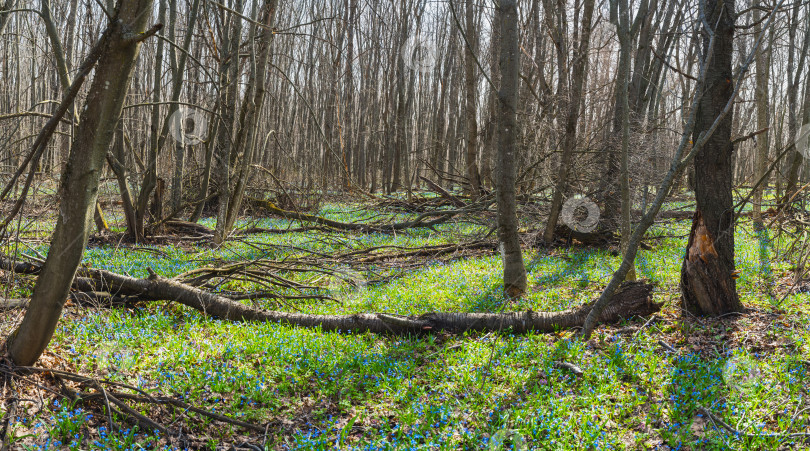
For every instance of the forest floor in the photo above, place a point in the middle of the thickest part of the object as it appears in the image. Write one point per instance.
(663, 382)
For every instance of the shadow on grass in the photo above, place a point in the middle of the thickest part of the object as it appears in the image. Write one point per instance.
(765, 269)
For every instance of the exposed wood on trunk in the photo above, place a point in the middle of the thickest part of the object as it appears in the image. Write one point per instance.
(708, 285)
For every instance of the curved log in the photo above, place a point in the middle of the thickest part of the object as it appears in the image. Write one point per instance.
(632, 299)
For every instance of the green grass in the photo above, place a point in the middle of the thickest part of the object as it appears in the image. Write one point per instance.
(362, 391)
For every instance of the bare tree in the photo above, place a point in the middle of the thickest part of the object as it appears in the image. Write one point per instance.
(229, 92)
(708, 276)
(762, 62)
(471, 94)
(514, 272)
(570, 94)
(117, 52)
(257, 82)
(620, 17)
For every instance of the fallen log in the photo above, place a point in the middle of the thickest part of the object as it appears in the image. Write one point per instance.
(260, 230)
(631, 299)
(595, 238)
(177, 226)
(12, 304)
(187, 228)
(425, 251)
(442, 192)
(422, 220)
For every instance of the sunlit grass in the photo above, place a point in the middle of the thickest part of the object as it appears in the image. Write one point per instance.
(362, 391)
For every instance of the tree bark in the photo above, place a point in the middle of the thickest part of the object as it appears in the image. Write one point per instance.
(155, 142)
(570, 110)
(115, 159)
(259, 79)
(620, 16)
(795, 72)
(514, 272)
(470, 105)
(678, 164)
(762, 63)
(79, 184)
(631, 299)
(64, 80)
(708, 285)
(7, 5)
(222, 153)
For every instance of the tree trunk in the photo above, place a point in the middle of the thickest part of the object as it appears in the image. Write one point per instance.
(620, 16)
(615, 185)
(470, 108)
(490, 136)
(514, 273)
(705, 91)
(707, 275)
(400, 103)
(631, 299)
(252, 121)
(794, 73)
(763, 63)
(7, 5)
(155, 142)
(570, 110)
(116, 158)
(62, 70)
(79, 184)
(222, 153)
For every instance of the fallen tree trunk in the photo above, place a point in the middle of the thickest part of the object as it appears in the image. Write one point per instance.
(442, 192)
(425, 251)
(595, 238)
(420, 221)
(631, 299)
(12, 304)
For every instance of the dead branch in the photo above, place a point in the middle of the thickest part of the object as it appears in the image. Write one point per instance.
(420, 221)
